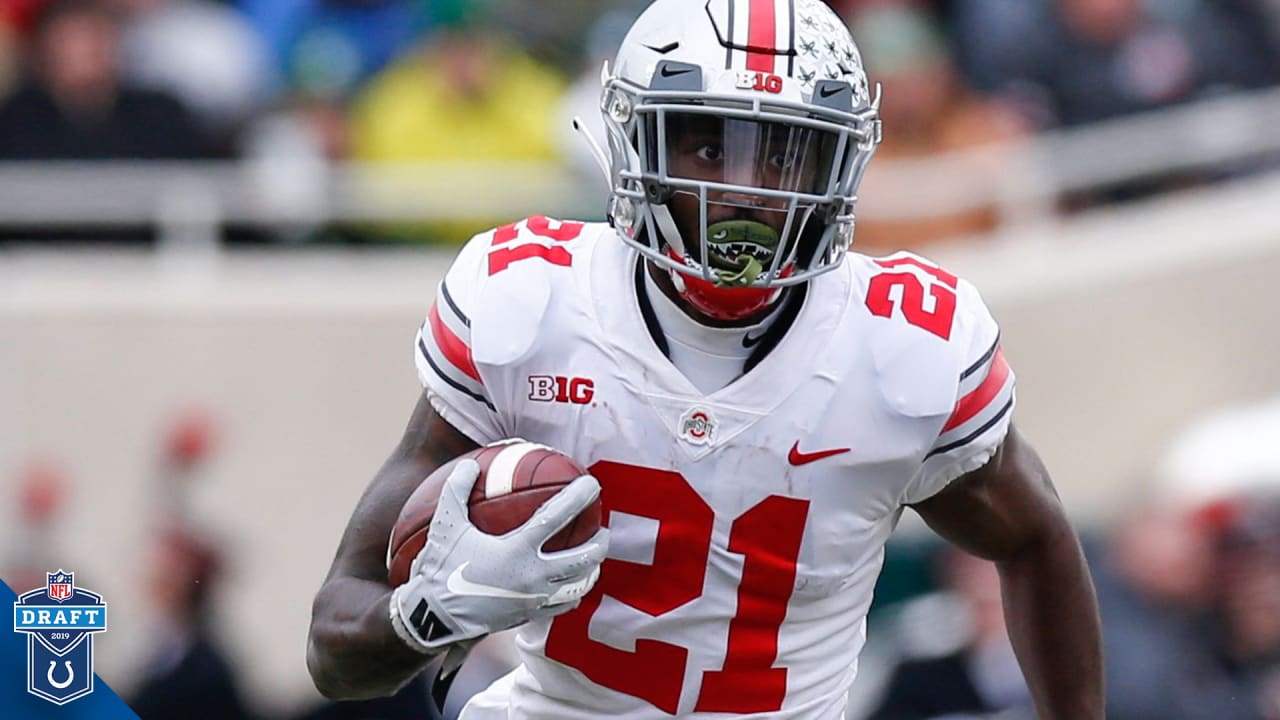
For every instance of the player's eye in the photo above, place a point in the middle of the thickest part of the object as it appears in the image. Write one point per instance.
(782, 160)
(709, 152)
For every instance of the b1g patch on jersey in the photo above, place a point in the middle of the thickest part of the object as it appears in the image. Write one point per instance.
(697, 426)
(561, 389)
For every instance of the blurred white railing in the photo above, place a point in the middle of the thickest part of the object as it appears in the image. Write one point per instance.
(188, 202)
(1023, 178)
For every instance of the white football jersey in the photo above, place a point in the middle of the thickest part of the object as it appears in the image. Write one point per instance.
(748, 525)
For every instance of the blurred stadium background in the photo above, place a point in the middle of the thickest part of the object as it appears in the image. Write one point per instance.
(221, 223)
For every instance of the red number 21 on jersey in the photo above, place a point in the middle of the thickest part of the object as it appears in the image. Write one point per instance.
(509, 246)
(943, 291)
(767, 536)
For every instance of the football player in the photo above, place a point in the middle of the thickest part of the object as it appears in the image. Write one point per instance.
(755, 404)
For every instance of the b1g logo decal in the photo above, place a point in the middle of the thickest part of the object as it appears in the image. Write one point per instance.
(697, 426)
(759, 81)
(561, 389)
(60, 620)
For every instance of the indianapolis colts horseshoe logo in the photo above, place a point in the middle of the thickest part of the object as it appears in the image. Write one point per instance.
(71, 674)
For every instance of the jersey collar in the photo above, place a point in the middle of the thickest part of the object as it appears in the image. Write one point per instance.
(784, 359)
(776, 326)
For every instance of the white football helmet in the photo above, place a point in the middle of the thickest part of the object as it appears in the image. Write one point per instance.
(738, 108)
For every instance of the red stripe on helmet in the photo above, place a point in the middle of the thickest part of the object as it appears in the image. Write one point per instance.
(761, 36)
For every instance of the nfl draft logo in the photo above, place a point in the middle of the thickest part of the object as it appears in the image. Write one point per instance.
(60, 620)
(697, 426)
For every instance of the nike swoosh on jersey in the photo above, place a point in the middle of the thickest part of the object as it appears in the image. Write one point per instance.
(795, 457)
(748, 341)
(461, 585)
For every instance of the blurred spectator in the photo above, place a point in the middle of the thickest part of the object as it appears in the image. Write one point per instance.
(1113, 57)
(20, 15)
(31, 541)
(187, 675)
(13, 20)
(466, 97)
(1247, 609)
(73, 103)
(926, 110)
(1153, 588)
(328, 47)
(202, 52)
(561, 38)
(1000, 43)
(1191, 612)
(289, 152)
(977, 679)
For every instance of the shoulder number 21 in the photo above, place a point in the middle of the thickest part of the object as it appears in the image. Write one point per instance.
(510, 245)
(942, 289)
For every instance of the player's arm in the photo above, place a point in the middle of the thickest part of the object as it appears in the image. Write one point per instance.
(1007, 511)
(368, 639)
(352, 649)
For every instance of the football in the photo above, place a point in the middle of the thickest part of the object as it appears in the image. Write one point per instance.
(516, 477)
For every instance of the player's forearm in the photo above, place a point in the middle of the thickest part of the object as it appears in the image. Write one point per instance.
(1052, 614)
(352, 650)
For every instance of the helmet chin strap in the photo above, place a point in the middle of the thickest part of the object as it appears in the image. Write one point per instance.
(671, 234)
(677, 279)
(667, 229)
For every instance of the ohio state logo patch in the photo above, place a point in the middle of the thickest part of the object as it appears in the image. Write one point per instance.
(697, 426)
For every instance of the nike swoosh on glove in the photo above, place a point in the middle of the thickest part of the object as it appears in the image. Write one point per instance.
(466, 584)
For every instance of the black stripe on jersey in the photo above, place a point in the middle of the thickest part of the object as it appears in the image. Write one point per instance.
(444, 290)
(982, 360)
(794, 300)
(422, 347)
(646, 307)
(969, 438)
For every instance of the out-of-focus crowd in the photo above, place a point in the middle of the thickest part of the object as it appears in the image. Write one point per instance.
(1190, 599)
(187, 670)
(458, 80)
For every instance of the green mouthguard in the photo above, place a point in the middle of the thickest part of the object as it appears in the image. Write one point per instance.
(745, 269)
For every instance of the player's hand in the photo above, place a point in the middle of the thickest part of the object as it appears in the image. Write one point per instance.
(466, 583)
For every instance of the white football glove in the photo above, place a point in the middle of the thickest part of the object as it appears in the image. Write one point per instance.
(466, 583)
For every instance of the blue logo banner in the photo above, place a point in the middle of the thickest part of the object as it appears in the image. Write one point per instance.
(71, 617)
(46, 658)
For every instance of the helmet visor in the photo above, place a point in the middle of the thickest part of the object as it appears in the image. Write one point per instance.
(769, 155)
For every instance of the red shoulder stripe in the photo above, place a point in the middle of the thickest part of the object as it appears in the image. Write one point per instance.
(973, 403)
(453, 348)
